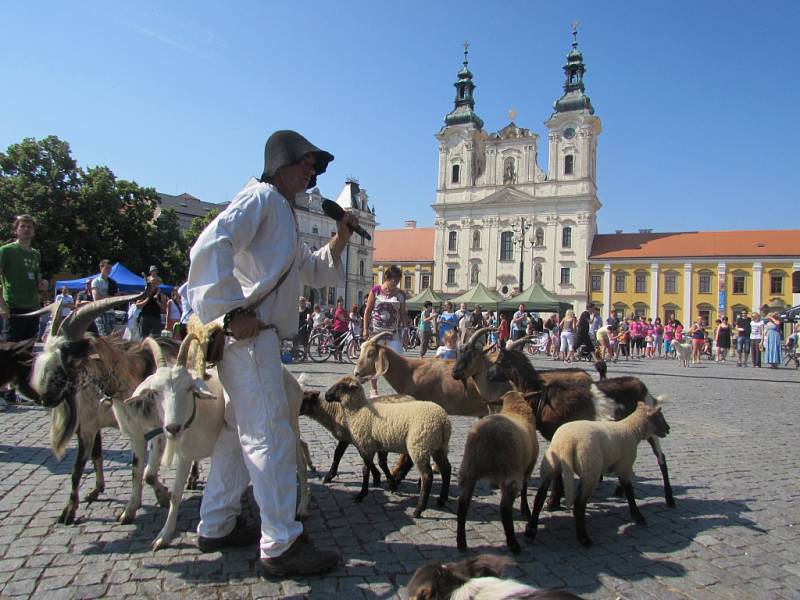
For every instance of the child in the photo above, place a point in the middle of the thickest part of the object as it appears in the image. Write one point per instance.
(503, 331)
(450, 350)
(650, 348)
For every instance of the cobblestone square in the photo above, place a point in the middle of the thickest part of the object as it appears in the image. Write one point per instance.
(732, 456)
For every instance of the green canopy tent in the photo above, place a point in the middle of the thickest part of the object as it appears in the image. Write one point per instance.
(480, 294)
(418, 301)
(537, 299)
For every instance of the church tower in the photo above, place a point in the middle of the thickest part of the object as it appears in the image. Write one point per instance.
(573, 126)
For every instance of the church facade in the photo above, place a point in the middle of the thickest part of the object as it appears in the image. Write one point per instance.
(503, 220)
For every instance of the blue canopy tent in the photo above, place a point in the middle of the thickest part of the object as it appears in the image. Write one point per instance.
(126, 280)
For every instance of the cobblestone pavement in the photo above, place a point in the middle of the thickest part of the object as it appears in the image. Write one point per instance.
(734, 534)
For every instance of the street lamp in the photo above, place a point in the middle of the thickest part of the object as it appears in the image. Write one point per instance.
(521, 227)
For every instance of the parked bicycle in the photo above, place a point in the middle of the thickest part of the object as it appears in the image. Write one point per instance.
(414, 339)
(322, 345)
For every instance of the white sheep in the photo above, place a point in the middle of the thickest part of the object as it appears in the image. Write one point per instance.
(590, 449)
(419, 429)
(501, 448)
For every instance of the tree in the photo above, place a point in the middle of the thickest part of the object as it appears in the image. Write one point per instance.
(197, 227)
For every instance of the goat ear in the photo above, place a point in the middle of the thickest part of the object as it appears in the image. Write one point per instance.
(201, 390)
(381, 363)
(143, 396)
(487, 565)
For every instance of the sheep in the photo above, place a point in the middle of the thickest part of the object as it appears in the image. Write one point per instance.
(503, 449)
(475, 578)
(16, 359)
(683, 351)
(419, 429)
(589, 449)
(557, 403)
(427, 379)
(71, 375)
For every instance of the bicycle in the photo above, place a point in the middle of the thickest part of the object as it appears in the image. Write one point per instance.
(414, 339)
(320, 344)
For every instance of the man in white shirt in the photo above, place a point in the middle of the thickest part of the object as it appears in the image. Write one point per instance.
(519, 323)
(249, 265)
(102, 287)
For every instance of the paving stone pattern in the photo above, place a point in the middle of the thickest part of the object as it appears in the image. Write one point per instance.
(734, 534)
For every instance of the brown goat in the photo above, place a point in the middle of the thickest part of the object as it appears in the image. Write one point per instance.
(16, 359)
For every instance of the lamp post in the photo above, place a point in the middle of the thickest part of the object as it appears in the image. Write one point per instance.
(521, 227)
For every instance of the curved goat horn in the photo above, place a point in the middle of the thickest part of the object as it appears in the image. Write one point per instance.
(183, 352)
(158, 353)
(56, 318)
(77, 322)
(521, 341)
(379, 336)
(479, 333)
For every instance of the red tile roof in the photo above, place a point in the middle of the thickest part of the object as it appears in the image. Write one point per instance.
(404, 245)
(716, 244)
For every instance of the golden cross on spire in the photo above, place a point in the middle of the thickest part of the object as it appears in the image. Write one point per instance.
(512, 114)
(466, 50)
(574, 32)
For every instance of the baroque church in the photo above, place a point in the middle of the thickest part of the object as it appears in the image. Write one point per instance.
(501, 219)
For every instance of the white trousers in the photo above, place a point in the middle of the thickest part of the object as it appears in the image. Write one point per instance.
(256, 444)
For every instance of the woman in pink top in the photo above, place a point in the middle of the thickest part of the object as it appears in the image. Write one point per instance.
(341, 322)
(669, 333)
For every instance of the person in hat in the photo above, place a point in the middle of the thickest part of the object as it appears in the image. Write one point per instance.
(248, 267)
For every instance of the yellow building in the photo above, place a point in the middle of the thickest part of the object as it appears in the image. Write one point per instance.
(411, 249)
(704, 274)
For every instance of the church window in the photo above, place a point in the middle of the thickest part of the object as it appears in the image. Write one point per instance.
(425, 283)
(509, 172)
(640, 284)
(776, 283)
(361, 268)
(569, 164)
(456, 176)
(452, 241)
(619, 281)
(506, 246)
(597, 282)
(704, 283)
(566, 237)
(451, 276)
(539, 237)
(473, 276)
(476, 240)
(565, 276)
(537, 273)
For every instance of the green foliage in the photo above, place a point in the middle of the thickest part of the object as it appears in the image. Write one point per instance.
(198, 225)
(83, 216)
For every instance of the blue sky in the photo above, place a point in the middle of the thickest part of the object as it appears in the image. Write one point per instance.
(697, 99)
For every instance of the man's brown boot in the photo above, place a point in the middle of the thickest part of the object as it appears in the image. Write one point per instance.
(302, 558)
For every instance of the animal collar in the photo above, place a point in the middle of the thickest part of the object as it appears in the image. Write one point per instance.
(159, 430)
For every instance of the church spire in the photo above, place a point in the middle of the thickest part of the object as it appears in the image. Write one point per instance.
(574, 97)
(464, 111)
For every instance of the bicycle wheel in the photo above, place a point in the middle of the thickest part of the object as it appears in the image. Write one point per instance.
(352, 350)
(320, 347)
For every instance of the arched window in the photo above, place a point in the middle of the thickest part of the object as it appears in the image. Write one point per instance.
(796, 282)
(566, 237)
(473, 275)
(506, 245)
(539, 237)
(569, 164)
(361, 268)
(452, 241)
(476, 240)
(456, 175)
(537, 273)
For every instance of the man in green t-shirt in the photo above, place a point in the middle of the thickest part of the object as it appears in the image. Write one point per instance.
(19, 276)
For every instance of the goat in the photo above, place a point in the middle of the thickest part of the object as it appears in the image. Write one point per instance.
(590, 450)
(477, 578)
(558, 403)
(72, 375)
(16, 359)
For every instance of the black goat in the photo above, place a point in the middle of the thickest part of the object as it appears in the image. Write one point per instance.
(16, 360)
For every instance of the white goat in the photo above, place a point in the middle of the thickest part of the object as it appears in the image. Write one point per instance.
(193, 410)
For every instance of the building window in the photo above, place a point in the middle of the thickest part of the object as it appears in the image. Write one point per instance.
(639, 309)
(537, 273)
(426, 282)
(473, 276)
(566, 237)
(361, 268)
(669, 313)
(407, 282)
(704, 283)
(640, 285)
(331, 296)
(451, 276)
(670, 283)
(738, 284)
(539, 237)
(569, 164)
(506, 245)
(619, 281)
(565, 276)
(476, 240)
(315, 230)
(796, 282)
(597, 282)
(456, 176)
(776, 283)
(704, 314)
(360, 298)
(452, 241)
(620, 311)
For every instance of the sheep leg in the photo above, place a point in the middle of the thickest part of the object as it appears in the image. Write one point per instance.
(402, 467)
(67, 516)
(99, 477)
(579, 514)
(662, 464)
(538, 503)
(181, 472)
(555, 496)
(337, 457)
(426, 474)
(194, 476)
(440, 457)
(302, 476)
(508, 494)
(151, 471)
(467, 489)
(523, 499)
(137, 471)
(635, 514)
(382, 456)
(367, 458)
(376, 474)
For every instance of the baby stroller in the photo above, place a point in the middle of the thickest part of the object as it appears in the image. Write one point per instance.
(706, 349)
(791, 352)
(584, 352)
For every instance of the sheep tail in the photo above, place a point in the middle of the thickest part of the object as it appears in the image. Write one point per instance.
(604, 407)
(63, 423)
(651, 400)
(565, 471)
(169, 453)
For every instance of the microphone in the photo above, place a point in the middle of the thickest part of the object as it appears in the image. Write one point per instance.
(336, 212)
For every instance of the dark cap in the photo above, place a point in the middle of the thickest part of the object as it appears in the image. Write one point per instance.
(286, 147)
